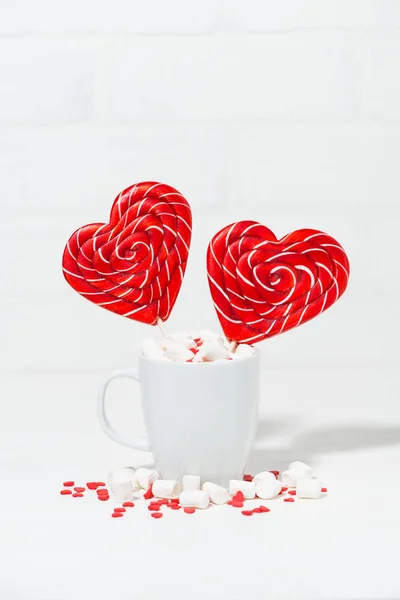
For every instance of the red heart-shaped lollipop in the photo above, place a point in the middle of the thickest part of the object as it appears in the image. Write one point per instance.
(133, 265)
(262, 286)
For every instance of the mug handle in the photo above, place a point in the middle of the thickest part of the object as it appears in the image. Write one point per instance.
(136, 443)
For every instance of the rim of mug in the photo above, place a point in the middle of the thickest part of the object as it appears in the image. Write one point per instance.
(219, 362)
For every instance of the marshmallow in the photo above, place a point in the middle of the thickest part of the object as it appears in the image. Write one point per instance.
(145, 477)
(176, 350)
(166, 488)
(217, 493)
(194, 499)
(206, 335)
(298, 465)
(263, 475)
(213, 350)
(151, 349)
(244, 350)
(268, 488)
(184, 338)
(308, 488)
(291, 477)
(247, 487)
(122, 483)
(190, 482)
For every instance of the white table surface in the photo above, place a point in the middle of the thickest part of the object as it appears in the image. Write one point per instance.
(346, 423)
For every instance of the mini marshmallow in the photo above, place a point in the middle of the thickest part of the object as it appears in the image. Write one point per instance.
(268, 488)
(194, 499)
(243, 350)
(184, 338)
(291, 477)
(206, 335)
(298, 465)
(217, 493)
(190, 482)
(166, 488)
(247, 487)
(176, 350)
(145, 477)
(122, 483)
(308, 488)
(263, 475)
(151, 349)
(213, 350)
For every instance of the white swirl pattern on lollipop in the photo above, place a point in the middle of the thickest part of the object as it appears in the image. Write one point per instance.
(262, 286)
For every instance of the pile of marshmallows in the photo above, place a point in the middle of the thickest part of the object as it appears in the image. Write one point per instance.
(124, 482)
(194, 347)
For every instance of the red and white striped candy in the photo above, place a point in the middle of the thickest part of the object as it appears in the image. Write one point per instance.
(262, 286)
(133, 265)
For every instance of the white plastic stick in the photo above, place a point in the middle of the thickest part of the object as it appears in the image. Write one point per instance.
(161, 327)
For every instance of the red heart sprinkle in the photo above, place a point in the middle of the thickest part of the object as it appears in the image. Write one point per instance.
(324, 490)
(174, 506)
(284, 489)
(239, 496)
(65, 492)
(257, 510)
(230, 502)
(103, 498)
(247, 513)
(288, 499)
(292, 492)
(68, 483)
(156, 515)
(116, 515)
(102, 492)
(264, 509)
(276, 473)
(262, 286)
(133, 265)
(92, 485)
(79, 489)
(149, 494)
(77, 495)
(119, 509)
(189, 510)
(128, 504)
(237, 504)
(100, 483)
(248, 477)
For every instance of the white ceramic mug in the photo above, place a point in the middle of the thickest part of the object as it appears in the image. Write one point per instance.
(200, 417)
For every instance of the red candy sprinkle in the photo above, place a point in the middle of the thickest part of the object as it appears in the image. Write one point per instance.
(197, 340)
(102, 492)
(257, 510)
(119, 509)
(247, 513)
(128, 504)
(115, 515)
(157, 515)
(92, 485)
(65, 492)
(237, 504)
(276, 473)
(288, 499)
(68, 483)
(163, 501)
(149, 494)
(189, 510)
(77, 495)
(174, 506)
(248, 477)
(324, 490)
(103, 498)
(79, 489)
(284, 489)
(239, 496)
(292, 492)
(230, 502)
(155, 507)
(264, 509)
(100, 483)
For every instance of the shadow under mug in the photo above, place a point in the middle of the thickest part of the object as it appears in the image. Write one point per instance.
(200, 418)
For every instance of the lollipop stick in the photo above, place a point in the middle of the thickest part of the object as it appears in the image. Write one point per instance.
(232, 347)
(161, 326)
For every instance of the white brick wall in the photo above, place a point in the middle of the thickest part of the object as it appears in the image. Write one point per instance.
(286, 112)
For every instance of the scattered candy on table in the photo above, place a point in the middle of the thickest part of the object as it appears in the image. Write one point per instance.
(170, 494)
